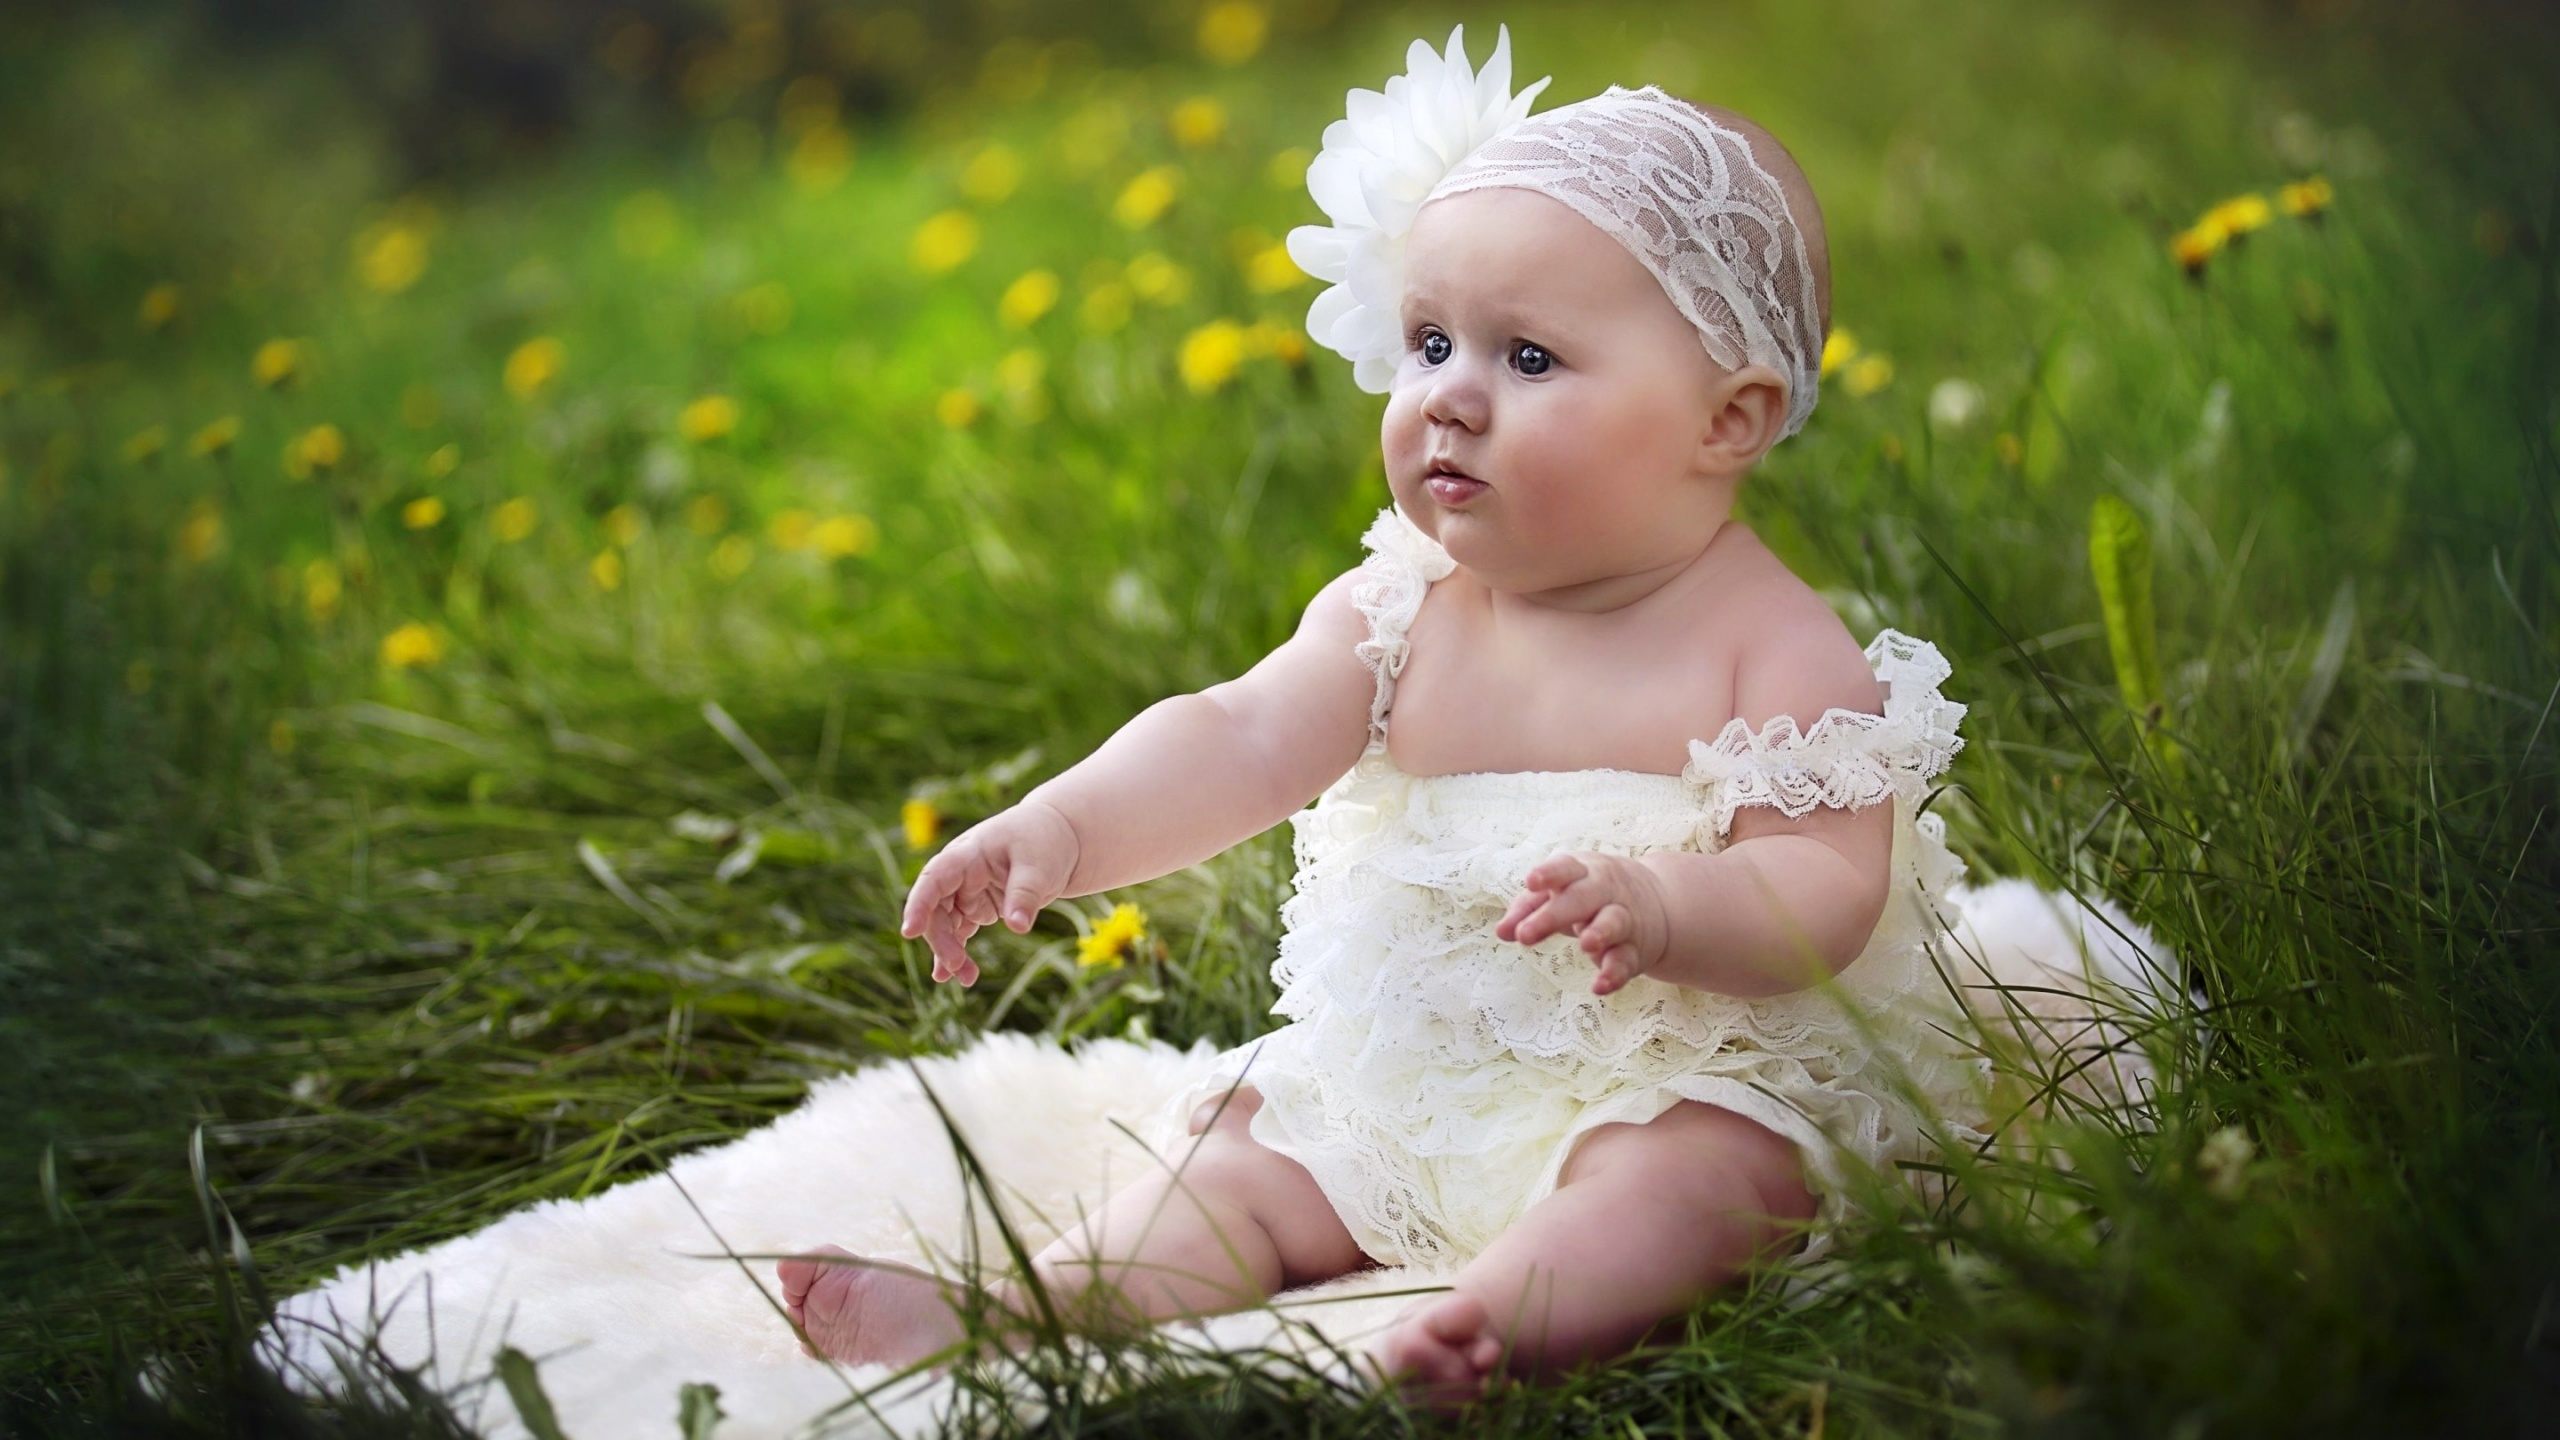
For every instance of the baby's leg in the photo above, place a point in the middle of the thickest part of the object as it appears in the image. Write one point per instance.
(1646, 1220)
(1239, 1223)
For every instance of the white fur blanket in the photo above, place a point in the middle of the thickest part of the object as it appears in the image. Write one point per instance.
(624, 1298)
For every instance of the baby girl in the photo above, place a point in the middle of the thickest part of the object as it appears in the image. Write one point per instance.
(1565, 976)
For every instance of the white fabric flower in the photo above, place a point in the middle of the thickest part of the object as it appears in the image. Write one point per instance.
(1379, 164)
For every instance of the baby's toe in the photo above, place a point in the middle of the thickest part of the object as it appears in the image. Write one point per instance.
(1457, 1320)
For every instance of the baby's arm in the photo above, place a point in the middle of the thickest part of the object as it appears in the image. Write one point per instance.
(1742, 921)
(1195, 774)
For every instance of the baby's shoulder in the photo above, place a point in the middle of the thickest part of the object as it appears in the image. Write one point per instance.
(1795, 656)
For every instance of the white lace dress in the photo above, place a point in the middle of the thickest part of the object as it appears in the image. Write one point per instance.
(1433, 1078)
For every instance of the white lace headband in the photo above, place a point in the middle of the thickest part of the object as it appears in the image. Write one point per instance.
(1681, 193)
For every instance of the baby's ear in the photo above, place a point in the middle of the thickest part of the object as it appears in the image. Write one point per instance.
(1751, 413)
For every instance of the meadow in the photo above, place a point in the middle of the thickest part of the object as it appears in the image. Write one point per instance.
(482, 657)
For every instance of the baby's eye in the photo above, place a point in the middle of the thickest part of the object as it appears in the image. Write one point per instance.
(1431, 356)
(1532, 358)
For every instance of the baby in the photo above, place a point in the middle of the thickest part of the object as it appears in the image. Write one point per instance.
(1554, 961)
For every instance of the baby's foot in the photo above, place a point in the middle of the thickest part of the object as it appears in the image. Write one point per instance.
(876, 1311)
(1442, 1352)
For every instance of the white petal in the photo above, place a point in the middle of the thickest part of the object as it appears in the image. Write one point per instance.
(1365, 105)
(1321, 251)
(1493, 82)
(1334, 179)
(1324, 317)
(1375, 374)
(1375, 278)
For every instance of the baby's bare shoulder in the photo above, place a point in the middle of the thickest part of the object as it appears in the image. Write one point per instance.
(1797, 657)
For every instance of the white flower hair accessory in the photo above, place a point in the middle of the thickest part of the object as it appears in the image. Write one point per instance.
(1379, 164)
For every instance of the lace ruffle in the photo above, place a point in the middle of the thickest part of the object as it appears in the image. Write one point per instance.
(1401, 565)
(1849, 758)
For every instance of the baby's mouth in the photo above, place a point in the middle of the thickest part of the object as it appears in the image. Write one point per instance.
(1450, 486)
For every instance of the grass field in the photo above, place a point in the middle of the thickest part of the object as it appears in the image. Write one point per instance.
(480, 662)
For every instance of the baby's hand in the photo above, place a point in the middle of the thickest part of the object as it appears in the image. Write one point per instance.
(1017, 860)
(1614, 904)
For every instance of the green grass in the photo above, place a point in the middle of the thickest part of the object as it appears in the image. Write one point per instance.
(363, 953)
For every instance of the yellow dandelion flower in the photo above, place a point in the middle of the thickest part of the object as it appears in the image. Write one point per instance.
(2193, 247)
(280, 736)
(957, 409)
(706, 514)
(922, 822)
(412, 646)
(201, 535)
(1105, 308)
(1837, 351)
(1157, 280)
(1272, 271)
(1021, 369)
(838, 536)
(1287, 170)
(606, 570)
(1290, 346)
(1232, 31)
(441, 461)
(533, 365)
(1114, 939)
(514, 520)
(419, 407)
(790, 529)
(1028, 298)
(2241, 214)
(215, 438)
(278, 363)
(622, 525)
(319, 448)
(942, 243)
(159, 306)
(146, 444)
(1197, 122)
(424, 513)
(992, 174)
(1867, 375)
(2305, 199)
(1145, 197)
(321, 588)
(390, 256)
(708, 418)
(1210, 355)
(731, 557)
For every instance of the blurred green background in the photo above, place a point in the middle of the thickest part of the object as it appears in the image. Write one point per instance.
(521, 527)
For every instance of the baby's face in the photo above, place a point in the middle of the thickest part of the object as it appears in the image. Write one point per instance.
(1544, 360)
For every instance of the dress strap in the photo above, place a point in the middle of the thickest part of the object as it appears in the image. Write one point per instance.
(1849, 758)
(1400, 567)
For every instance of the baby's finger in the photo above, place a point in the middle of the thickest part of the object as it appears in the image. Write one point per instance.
(943, 934)
(929, 888)
(1518, 910)
(1613, 925)
(1556, 872)
(979, 902)
(1568, 909)
(1616, 968)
